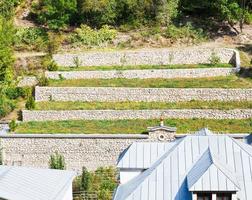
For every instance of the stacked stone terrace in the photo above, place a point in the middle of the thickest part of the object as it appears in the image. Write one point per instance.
(115, 94)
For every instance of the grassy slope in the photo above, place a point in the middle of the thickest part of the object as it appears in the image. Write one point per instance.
(89, 68)
(133, 126)
(54, 105)
(213, 82)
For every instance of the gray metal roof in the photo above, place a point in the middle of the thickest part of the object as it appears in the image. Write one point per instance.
(166, 178)
(21, 183)
(207, 171)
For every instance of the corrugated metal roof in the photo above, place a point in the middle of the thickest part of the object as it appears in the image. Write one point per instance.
(204, 132)
(141, 155)
(166, 178)
(21, 183)
(205, 173)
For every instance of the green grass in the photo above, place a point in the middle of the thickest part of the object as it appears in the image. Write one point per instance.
(56, 105)
(89, 68)
(212, 82)
(132, 126)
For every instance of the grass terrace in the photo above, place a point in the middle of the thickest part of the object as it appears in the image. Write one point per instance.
(231, 81)
(131, 67)
(57, 105)
(132, 126)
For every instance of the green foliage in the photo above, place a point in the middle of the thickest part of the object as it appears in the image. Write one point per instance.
(6, 51)
(7, 8)
(77, 62)
(49, 64)
(91, 37)
(103, 181)
(6, 105)
(85, 179)
(56, 14)
(43, 81)
(57, 161)
(187, 31)
(13, 125)
(30, 39)
(214, 59)
(30, 103)
(54, 42)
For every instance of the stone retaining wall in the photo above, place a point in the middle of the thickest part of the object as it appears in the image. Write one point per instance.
(148, 57)
(142, 74)
(46, 115)
(111, 94)
(91, 152)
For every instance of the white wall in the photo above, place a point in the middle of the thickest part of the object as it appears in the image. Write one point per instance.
(69, 193)
(127, 175)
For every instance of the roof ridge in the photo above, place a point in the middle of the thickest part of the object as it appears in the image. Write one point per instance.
(148, 171)
(242, 147)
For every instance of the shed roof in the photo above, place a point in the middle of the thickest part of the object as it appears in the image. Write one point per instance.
(166, 178)
(21, 183)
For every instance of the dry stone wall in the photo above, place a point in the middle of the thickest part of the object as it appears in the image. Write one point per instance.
(142, 74)
(46, 115)
(148, 57)
(139, 94)
(91, 152)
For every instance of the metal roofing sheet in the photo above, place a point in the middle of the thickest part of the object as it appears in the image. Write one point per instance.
(166, 177)
(21, 183)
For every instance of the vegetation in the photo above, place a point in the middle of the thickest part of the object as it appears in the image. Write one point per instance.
(13, 125)
(133, 126)
(90, 68)
(90, 37)
(220, 105)
(31, 38)
(101, 182)
(213, 82)
(57, 161)
(30, 103)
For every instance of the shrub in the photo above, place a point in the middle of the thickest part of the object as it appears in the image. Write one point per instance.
(30, 38)
(57, 161)
(214, 59)
(15, 92)
(54, 42)
(6, 106)
(56, 14)
(187, 31)
(52, 66)
(77, 62)
(13, 125)
(43, 81)
(91, 37)
(30, 103)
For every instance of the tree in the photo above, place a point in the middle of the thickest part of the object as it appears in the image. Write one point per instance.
(57, 161)
(56, 14)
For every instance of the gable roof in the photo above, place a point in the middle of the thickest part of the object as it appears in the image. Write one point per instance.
(21, 183)
(166, 178)
(209, 174)
(204, 132)
(141, 155)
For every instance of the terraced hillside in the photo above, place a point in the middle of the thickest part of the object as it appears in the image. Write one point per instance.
(128, 98)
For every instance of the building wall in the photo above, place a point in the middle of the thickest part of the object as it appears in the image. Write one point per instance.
(148, 57)
(140, 94)
(46, 115)
(142, 74)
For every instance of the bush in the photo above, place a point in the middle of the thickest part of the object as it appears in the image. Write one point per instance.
(30, 39)
(30, 103)
(57, 161)
(91, 37)
(214, 59)
(13, 125)
(15, 92)
(49, 64)
(54, 42)
(6, 106)
(43, 81)
(56, 14)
